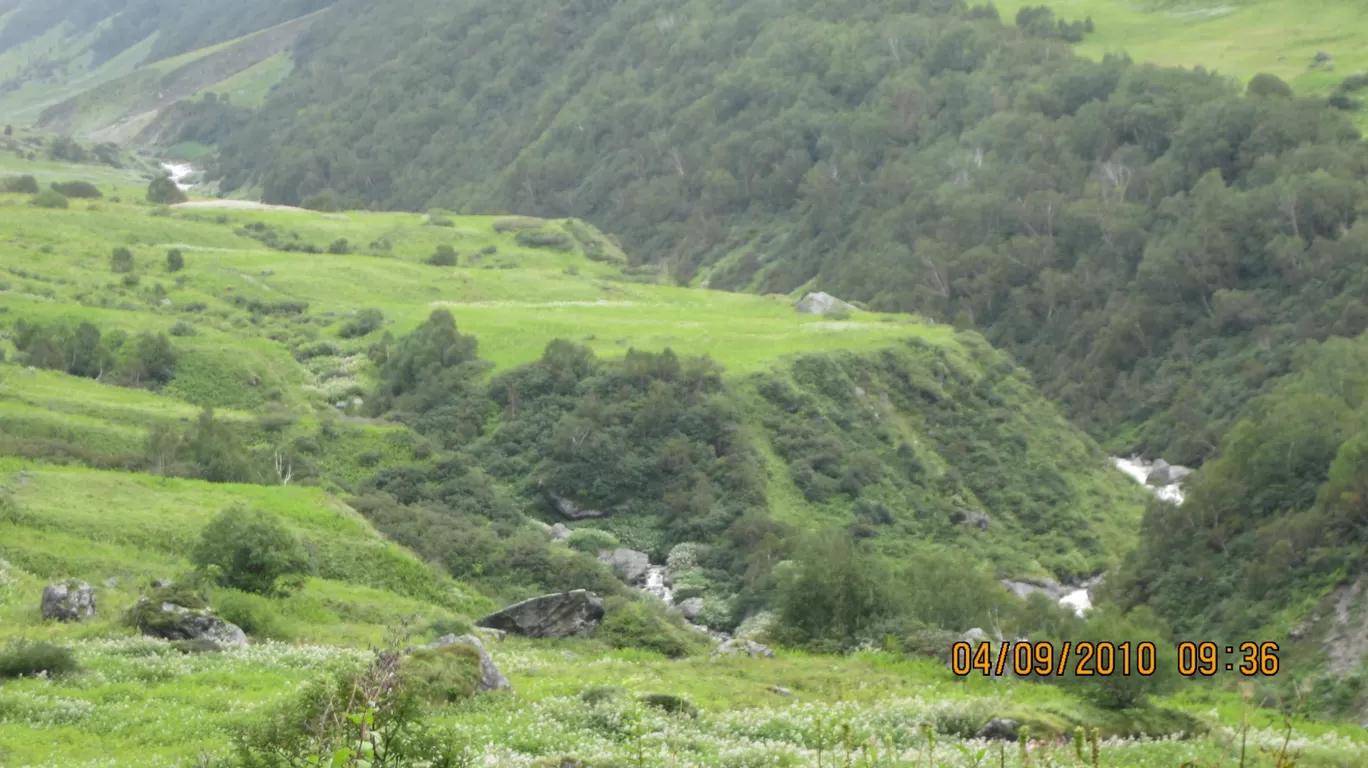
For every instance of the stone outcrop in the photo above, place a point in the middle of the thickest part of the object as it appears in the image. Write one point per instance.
(749, 647)
(560, 614)
(629, 564)
(176, 622)
(999, 729)
(491, 679)
(820, 303)
(68, 601)
(569, 509)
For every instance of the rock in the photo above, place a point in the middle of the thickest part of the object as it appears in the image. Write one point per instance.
(691, 607)
(165, 302)
(560, 532)
(111, 582)
(1322, 57)
(497, 634)
(820, 303)
(629, 564)
(559, 614)
(999, 729)
(979, 520)
(491, 679)
(174, 622)
(975, 637)
(1052, 589)
(569, 509)
(749, 647)
(782, 691)
(1159, 473)
(68, 601)
(161, 583)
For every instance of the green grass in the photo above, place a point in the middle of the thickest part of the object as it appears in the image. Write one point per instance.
(1236, 37)
(250, 87)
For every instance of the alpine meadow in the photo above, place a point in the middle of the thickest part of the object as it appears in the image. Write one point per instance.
(696, 384)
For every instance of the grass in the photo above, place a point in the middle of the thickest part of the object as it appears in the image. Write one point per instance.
(1240, 38)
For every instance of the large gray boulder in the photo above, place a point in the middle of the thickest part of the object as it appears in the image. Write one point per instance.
(559, 532)
(629, 564)
(749, 647)
(560, 614)
(1159, 473)
(176, 622)
(691, 608)
(569, 509)
(999, 729)
(820, 303)
(68, 601)
(491, 679)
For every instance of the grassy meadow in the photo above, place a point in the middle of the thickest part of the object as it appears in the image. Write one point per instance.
(1240, 38)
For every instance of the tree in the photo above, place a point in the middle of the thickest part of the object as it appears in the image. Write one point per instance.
(1264, 84)
(1109, 627)
(834, 593)
(22, 185)
(175, 260)
(121, 260)
(163, 191)
(250, 550)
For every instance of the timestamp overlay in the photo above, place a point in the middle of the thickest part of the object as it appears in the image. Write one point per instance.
(1105, 658)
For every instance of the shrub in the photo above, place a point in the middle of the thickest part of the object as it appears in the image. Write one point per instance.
(163, 191)
(26, 659)
(21, 185)
(365, 322)
(182, 328)
(78, 189)
(131, 280)
(671, 704)
(444, 256)
(50, 198)
(447, 674)
(628, 624)
(323, 202)
(250, 550)
(121, 260)
(551, 237)
(254, 613)
(591, 540)
(1123, 691)
(835, 593)
(175, 260)
(339, 247)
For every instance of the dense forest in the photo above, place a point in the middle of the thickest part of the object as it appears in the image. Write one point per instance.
(1151, 243)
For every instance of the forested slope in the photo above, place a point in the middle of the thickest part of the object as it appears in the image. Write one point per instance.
(1122, 230)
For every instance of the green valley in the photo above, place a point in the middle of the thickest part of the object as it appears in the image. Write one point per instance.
(419, 384)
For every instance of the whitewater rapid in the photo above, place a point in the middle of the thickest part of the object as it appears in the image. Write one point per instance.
(179, 172)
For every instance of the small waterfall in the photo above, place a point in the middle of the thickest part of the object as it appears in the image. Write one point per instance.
(1139, 470)
(656, 583)
(178, 172)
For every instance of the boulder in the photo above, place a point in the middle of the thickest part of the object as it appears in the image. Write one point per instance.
(491, 679)
(691, 607)
(979, 520)
(820, 303)
(559, 532)
(975, 637)
(560, 614)
(1158, 474)
(629, 564)
(1322, 57)
(495, 634)
(748, 647)
(999, 729)
(1178, 473)
(782, 691)
(68, 601)
(175, 622)
(569, 509)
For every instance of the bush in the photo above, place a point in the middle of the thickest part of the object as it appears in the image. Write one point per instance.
(444, 256)
(834, 594)
(26, 659)
(339, 247)
(670, 704)
(121, 261)
(1118, 691)
(365, 322)
(628, 624)
(323, 202)
(131, 280)
(79, 189)
(447, 674)
(551, 237)
(50, 198)
(20, 185)
(254, 613)
(163, 191)
(250, 550)
(175, 260)
(591, 540)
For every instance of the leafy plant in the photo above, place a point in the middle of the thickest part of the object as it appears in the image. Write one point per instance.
(250, 550)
